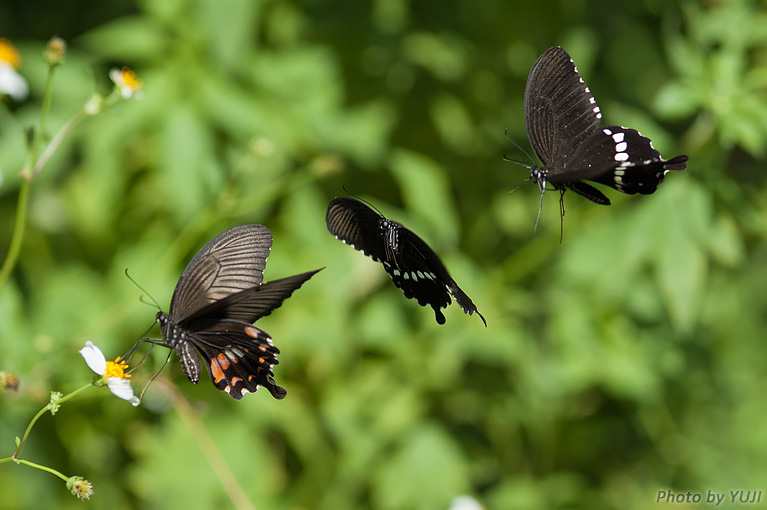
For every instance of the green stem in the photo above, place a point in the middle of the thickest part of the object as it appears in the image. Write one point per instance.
(75, 393)
(43, 468)
(27, 176)
(55, 142)
(43, 117)
(42, 412)
(18, 233)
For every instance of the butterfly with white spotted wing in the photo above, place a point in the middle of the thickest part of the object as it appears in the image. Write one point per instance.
(562, 120)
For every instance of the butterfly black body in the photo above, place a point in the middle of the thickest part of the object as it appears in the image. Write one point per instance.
(411, 263)
(218, 297)
(563, 124)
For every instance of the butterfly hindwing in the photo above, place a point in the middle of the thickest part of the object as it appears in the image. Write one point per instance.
(239, 358)
(623, 159)
(417, 271)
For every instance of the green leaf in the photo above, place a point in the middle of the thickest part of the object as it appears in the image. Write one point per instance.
(188, 166)
(426, 193)
(127, 39)
(425, 471)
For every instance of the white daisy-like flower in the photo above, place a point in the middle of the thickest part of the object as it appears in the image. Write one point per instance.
(127, 81)
(112, 372)
(11, 82)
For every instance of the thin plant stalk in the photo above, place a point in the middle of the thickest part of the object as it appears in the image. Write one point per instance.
(27, 176)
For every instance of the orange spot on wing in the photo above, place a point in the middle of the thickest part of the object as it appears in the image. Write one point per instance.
(216, 371)
(252, 332)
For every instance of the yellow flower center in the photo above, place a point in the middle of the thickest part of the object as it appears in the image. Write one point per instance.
(116, 368)
(130, 79)
(9, 54)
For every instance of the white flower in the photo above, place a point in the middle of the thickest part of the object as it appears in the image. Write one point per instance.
(11, 82)
(465, 503)
(112, 372)
(127, 81)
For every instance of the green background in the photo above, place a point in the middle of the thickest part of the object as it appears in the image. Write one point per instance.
(624, 361)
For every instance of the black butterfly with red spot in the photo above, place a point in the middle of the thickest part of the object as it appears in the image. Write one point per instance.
(562, 120)
(219, 295)
(411, 263)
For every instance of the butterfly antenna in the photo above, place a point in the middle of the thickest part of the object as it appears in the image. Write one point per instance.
(517, 162)
(532, 161)
(362, 200)
(153, 302)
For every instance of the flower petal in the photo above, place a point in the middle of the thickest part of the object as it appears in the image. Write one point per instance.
(94, 358)
(12, 83)
(121, 388)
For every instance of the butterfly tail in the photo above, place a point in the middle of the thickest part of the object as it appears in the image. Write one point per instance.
(464, 301)
(677, 163)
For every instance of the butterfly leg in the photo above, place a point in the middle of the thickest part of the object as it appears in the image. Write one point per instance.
(561, 214)
(128, 356)
(542, 187)
(151, 380)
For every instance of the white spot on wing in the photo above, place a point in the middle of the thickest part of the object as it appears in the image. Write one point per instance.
(621, 147)
(621, 156)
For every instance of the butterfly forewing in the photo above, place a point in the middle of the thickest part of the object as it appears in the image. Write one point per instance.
(560, 112)
(357, 225)
(251, 304)
(231, 262)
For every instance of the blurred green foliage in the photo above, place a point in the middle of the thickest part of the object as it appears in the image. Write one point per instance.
(625, 361)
